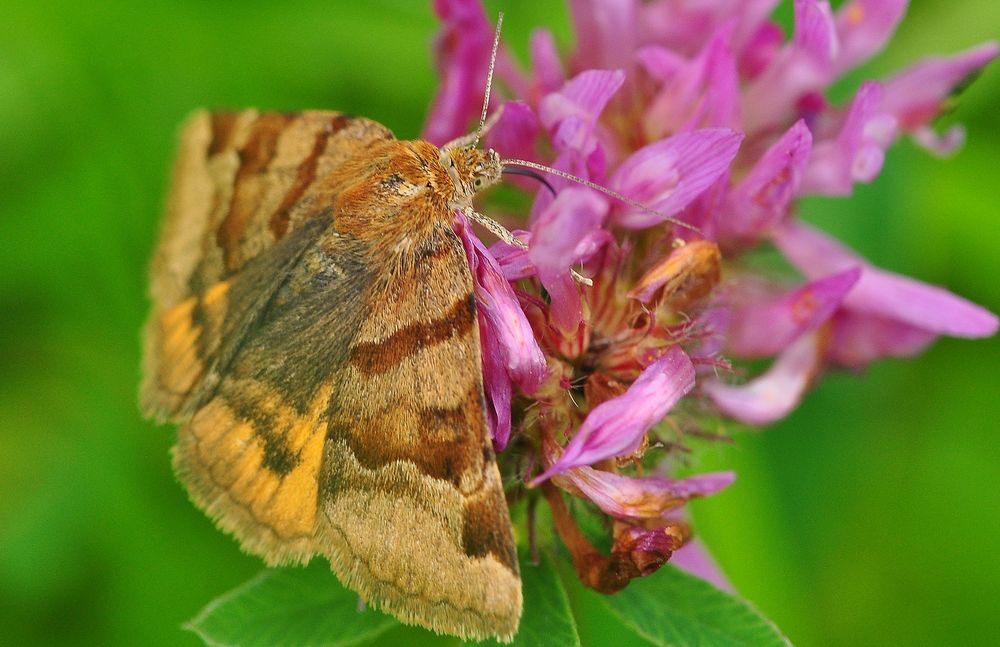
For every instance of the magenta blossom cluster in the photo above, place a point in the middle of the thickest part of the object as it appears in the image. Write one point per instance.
(709, 115)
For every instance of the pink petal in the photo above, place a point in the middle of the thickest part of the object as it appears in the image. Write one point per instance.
(700, 93)
(570, 116)
(856, 154)
(501, 313)
(815, 32)
(928, 307)
(762, 329)
(772, 395)
(682, 26)
(661, 63)
(463, 54)
(885, 294)
(760, 51)
(863, 29)
(722, 84)
(626, 497)
(916, 95)
(802, 67)
(545, 62)
(569, 219)
(605, 32)
(497, 388)
(695, 559)
(584, 96)
(762, 199)
(940, 144)
(616, 427)
(859, 339)
(812, 252)
(513, 261)
(667, 175)
(514, 135)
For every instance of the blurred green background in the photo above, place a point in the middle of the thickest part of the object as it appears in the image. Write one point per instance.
(869, 516)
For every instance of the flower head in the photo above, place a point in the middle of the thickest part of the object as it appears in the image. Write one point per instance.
(609, 338)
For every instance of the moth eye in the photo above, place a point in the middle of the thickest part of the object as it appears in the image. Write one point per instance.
(479, 182)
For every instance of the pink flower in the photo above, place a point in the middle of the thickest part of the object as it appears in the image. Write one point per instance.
(803, 66)
(863, 28)
(516, 132)
(670, 173)
(463, 55)
(570, 117)
(884, 314)
(616, 427)
(611, 336)
(703, 92)
(920, 93)
(763, 198)
(626, 497)
(856, 151)
(772, 395)
(764, 327)
(555, 246)
(510, 352)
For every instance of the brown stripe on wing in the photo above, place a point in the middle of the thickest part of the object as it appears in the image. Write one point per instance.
(255, 155)
(268, 426)
(486, 528)
(445, 443)
(305, 175)
(223, 127)
(374, 357)
(254, 465)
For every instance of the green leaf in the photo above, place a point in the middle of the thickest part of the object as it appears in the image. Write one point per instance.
(289, 606)
(672, 608)
(547, 619)
(597, 624)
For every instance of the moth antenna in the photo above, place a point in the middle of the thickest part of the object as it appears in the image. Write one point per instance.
(489, 80)
(597, 187)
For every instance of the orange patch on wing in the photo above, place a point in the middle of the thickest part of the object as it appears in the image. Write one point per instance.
(180, 367)
(215, 293)
(235, 454)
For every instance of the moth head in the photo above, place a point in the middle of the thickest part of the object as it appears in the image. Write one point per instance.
(471, 170)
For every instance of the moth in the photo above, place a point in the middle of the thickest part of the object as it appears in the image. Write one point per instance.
(314, 335)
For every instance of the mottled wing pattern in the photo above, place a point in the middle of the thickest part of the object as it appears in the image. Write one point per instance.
(329, 403)
(410, 468)
(242, 182)
(251, 452)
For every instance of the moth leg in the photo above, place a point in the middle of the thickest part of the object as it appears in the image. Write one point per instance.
(495, 228)
(580, 278)
(504, 234)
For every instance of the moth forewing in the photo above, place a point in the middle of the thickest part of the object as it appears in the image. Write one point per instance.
(314, 335)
